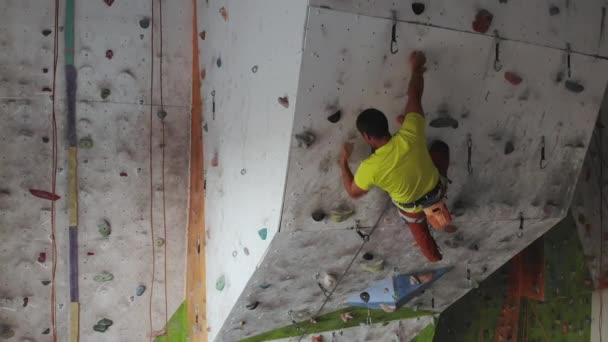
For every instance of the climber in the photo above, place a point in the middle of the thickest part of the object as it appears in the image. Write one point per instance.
(402, 165)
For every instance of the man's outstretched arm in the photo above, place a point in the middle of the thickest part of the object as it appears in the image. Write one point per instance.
(416, 85)
(347, 176)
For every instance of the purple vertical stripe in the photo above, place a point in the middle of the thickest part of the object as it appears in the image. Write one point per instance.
(73, 264)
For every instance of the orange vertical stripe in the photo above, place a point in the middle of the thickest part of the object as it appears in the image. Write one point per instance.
(196, 279)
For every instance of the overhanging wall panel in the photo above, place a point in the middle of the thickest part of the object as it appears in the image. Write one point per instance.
(347, 65)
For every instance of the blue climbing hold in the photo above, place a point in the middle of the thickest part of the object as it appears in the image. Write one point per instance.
(263, 233)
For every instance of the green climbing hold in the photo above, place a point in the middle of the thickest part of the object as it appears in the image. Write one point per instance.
(140, 290)
(160, 242)
(103, 277)
(263, 233)
(104, 228)
(374, 267)
(86, 142)
(220, 283)
(341, 213)
(103, 325)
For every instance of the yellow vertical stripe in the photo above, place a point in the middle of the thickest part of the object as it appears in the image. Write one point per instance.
(74, 321)
(73, 186)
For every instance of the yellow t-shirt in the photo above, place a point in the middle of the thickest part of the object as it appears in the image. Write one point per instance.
(403, 167)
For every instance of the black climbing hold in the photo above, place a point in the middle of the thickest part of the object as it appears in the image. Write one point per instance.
(47, 90)
(559, 77)
(284, 101)
(335, 117)
(45, 70)
(509, 148)
(252, 306)
(305, 139)
(45, 282)
(46, 32)
(219, 62)
(105, 92)
(254, 69)
(418, 8)
(144, 23)
(364, 297)
(161, 114)
(368, 256)
(553, 10)
(46, 331)
(574, 87)
(318, 215)
(444, 122)
(45, 139)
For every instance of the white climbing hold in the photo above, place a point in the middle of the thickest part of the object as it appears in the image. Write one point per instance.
(329, 280)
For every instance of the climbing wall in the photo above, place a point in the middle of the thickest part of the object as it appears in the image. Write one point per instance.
(247, 64)
(589, 206)
(518, 125)
(116, 116)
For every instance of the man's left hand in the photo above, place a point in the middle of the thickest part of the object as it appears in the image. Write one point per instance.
(347, 150)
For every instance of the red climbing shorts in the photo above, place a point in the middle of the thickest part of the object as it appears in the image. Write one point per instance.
(440, 154)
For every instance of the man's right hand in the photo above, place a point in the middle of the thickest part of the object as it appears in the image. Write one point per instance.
(417, 61)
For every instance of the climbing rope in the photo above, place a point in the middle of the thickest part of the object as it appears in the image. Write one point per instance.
(350, 264)
(151, 116)
(54, 173)
(601, 207)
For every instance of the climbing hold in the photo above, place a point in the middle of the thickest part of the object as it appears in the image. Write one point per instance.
(109, 54)
(140, 290)
(341, 213)
(25, 301)
(243, 172)
(444, 121)
(123, 174)
(509, 148)
(418, 8)
(368, 256)
(219, 62)
(483, 20)
(103, 325)
(46, 331)
(376, 267)
(574, 87)
(103, 277)
(6, 331)
(364, 297)
(335, 117)
(553, 10)
(46, 32)
(263, 233)
(220, 283)
(90, 253)
(215, 160)
(144, 22)
(305, 139)
(318, 215)
(559, 76)
(317, 338)
(45, 282)
(264, 286)
(203, 34)
(254, 69)
(104, 228)
(252, 306)
(45, 70)
(284, 101)
(246, 251)
(234, 254)
(86, 143)
(44, 194)
(203, 73)
(512, 78)
(224, 13)
(329, 280)
(161, 114)
(47, 89)
(346, 316)
(160, 242)
(42, 257)
(388, 308)
(105, 92)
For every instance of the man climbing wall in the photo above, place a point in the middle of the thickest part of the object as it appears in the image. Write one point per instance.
(402, 165)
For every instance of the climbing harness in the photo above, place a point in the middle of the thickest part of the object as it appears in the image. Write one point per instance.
(438, 215)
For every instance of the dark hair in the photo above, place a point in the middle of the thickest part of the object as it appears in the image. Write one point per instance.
(373, 123)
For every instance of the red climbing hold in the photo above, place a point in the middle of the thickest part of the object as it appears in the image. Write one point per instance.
(109, 2)
(224, 13)
(512, 78)
(44, 194)
(90, 253)
(109, 54)
(123, 174)
(42, 257)
(482, 22)
(203, 73)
